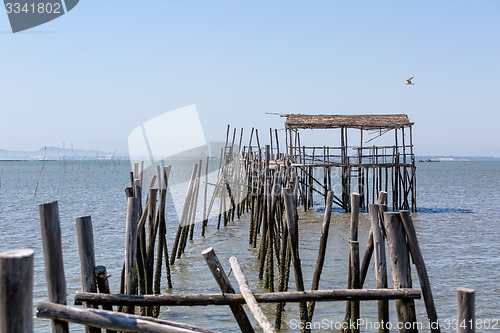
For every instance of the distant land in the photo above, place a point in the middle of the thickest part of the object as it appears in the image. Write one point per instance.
(442, 158)
(54, 153)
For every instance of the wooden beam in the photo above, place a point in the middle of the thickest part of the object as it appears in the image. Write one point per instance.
(228, 299)
(113, 320)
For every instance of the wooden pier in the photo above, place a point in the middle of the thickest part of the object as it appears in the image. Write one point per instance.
(267, 186)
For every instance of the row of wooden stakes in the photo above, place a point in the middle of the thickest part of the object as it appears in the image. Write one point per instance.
(271, 201)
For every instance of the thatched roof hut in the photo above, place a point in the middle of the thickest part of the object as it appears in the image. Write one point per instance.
(364, 122)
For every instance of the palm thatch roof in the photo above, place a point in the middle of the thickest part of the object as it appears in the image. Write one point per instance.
(366, 122)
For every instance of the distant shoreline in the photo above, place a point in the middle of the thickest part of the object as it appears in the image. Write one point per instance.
(418, 159)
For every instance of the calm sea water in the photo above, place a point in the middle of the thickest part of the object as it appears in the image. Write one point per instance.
(458, 225)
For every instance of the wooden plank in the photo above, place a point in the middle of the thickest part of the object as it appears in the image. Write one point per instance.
(252, 304)
(16, 291)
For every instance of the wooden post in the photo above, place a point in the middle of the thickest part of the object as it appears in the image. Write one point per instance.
(194, 202)
(352, 306)
(85, 237)
(380, 265)
(101, 277)
(322, 250)
(205, 215)
(249, 298)
(354, 249)
(400, 268)
(183, 219)
(53, 259)
(131, 248)
(382, 198)
(16, 291)
(226, 288)
(418, 260)
(466, 310)
(152, 233)
(293, 241)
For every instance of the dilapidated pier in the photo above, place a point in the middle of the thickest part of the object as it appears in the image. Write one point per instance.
(267, 185)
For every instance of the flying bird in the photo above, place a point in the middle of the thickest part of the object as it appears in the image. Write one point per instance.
(410, 81)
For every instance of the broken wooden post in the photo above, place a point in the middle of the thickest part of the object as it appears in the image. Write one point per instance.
(53, 259)
(226, 287)
(466, 315)
(249, 298)
(16, 291)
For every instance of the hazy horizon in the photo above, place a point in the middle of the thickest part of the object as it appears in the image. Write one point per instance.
(90, 77)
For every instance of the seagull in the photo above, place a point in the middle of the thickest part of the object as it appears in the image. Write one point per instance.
(410, 81)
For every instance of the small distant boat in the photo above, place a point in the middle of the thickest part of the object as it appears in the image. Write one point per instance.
(428, 160)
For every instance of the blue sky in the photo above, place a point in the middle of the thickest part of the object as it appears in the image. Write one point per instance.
(93, 75)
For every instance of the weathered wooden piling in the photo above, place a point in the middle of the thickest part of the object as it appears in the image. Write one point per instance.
(177, 246)
(152, 231)
(466, 316)
(353, 275)
(321, 252)
(16, 291)
(162, 237)
(400, 268)
(418, 260)
(354, 263)
(131, 248)
(101, 277)
(205, 213)
(293, 243)
(53, 259)
(380, 265)
(85, 238)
